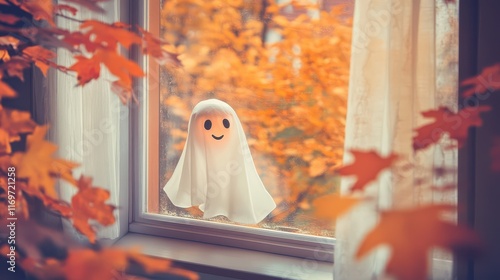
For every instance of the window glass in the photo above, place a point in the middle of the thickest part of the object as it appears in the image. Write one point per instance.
(284, 69)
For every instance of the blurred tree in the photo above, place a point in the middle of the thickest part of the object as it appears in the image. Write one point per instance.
(284, 69)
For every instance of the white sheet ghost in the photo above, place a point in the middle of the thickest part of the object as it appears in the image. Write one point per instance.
(216, 170)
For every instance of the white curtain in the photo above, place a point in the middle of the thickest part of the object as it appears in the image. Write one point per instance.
(404, 61)
(90, 126)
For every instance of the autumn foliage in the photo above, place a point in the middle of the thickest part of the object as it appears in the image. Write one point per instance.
(285, 75)
(28, 37)
(287, 78)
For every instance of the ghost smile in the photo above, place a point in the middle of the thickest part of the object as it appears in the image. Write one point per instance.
(217, 138)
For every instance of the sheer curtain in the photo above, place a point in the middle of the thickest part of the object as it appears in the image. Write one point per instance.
(403, 62)
(90, 126)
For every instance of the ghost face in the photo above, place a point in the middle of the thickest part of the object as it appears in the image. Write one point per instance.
(214, 130)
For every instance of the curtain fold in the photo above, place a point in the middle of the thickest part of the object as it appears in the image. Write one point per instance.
(397, 72)
(90, 126)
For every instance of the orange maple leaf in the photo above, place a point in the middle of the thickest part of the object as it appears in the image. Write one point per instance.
(40, 9)
(121, 67)
(366, 167)
(445, 121)
(330, 207)
(154, 46)
(12, 124)
(87, 69)
(488, 80)
(108, 36)
(41, 56)
(37, 164)
(89, 203)
(411, 234)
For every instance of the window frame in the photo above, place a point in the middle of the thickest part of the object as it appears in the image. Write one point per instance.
(145, 175)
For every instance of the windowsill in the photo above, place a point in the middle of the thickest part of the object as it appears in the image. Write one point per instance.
(228, 258)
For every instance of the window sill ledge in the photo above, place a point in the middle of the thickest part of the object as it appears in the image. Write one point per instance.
(228, 258)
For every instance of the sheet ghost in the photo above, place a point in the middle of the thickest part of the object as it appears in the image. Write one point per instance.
(216, 170)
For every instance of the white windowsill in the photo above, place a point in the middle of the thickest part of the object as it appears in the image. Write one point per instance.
(223, 257)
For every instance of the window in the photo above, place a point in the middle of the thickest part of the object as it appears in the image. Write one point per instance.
(285, 72)
(284, 69)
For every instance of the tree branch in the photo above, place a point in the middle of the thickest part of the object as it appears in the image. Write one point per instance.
(69, 18)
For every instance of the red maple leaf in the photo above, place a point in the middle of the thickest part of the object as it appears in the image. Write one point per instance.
(488, 80)
(108, 36)
(366, 167)
(412, 234)
(89, 203)
(445, 121)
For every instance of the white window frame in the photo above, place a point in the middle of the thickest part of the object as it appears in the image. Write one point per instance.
(145, 177)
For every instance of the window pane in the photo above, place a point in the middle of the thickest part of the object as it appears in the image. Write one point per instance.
(284, 69)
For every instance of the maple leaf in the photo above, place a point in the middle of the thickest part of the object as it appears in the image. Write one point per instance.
(89, 203)
(366, 167)
(411, 234)
(77, 38)
(12, 124)
(89, 68)
(107, 36)
(123, 68)
(445, 121)
(330, 207)
(488, 80)
(40, 9)
(154, 46)
(37, 164)
(41, 56)
(14, 67)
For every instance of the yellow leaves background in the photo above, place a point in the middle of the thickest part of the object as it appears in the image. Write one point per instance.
(287, 79)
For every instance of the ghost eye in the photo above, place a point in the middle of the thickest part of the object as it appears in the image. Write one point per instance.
(225, 122)
(208, 124)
